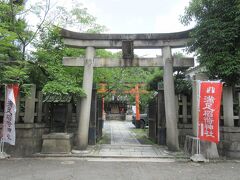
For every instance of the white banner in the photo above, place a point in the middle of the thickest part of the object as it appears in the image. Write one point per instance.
(9, 134)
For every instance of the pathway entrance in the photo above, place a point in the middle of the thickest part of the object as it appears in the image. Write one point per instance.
(120, 132)
(121, 140)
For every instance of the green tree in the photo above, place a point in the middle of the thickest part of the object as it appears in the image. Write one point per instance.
(12, 70)
(15, 36)
(52, 76)
(48, 72)
(216, 37)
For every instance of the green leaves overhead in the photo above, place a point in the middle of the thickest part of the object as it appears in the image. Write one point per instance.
(216, 36)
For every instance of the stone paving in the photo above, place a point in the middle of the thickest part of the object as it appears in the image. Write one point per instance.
(123, 141)
(125, 144)
(120, 132)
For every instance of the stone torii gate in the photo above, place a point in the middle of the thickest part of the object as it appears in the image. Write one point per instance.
(127, 42)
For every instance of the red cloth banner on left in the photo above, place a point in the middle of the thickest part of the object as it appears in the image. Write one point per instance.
(11, 94)
(209, 109)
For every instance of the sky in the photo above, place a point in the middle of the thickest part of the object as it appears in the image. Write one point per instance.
(135, 16)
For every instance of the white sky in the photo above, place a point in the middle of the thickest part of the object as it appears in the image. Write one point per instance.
(135, 16)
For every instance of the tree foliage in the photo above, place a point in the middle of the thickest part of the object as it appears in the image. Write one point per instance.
(43, 65)
(77, 18)
(15, 36)
(216, 36)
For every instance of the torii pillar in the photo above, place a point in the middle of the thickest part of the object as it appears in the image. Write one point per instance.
(169, 96)
(84, 118)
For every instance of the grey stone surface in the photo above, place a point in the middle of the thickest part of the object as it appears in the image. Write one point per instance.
(85, 107)
(115, 117)
(157, 40)
(124, 144)
(228, 106)
(149, 36)
(28, 140)
(138, 62)
(170, 103)
(198, 158)
(115, 169)
(30, 105)
(57, 143)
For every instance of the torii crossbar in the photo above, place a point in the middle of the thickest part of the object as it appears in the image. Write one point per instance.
(128, 42)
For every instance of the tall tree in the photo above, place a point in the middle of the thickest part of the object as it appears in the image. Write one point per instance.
(216, 36)
(52, 76)
(15, 36)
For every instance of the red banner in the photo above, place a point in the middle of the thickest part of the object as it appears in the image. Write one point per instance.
(209, 109)
(137, 103)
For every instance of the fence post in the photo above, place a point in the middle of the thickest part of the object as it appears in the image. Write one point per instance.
(46, 111)
(228, 106)
(39, 107)
(184, 109)
(68, 116)
(161, 119)
(239, 109)
(177, 107)
(30, 105)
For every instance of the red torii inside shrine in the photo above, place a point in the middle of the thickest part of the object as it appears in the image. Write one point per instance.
(134, 90)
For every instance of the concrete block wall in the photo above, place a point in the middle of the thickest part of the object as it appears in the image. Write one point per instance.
(28, 139)
(229, 145)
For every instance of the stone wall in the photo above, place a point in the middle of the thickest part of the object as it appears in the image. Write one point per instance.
(229, 145)
(28, 139)
(115, 117)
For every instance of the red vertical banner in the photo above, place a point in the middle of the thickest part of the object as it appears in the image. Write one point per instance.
(137, 103)
(102, 104)
(11, 94)
(209, 109)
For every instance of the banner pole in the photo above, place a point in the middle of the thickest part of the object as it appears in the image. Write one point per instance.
(198, 157)
(1, 145)
(2, 155)
(198, 108)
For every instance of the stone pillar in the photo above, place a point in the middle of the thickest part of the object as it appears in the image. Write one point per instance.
(84, 118)
(228, 106)
(30, 105)
(170, 104)
(40, 107)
